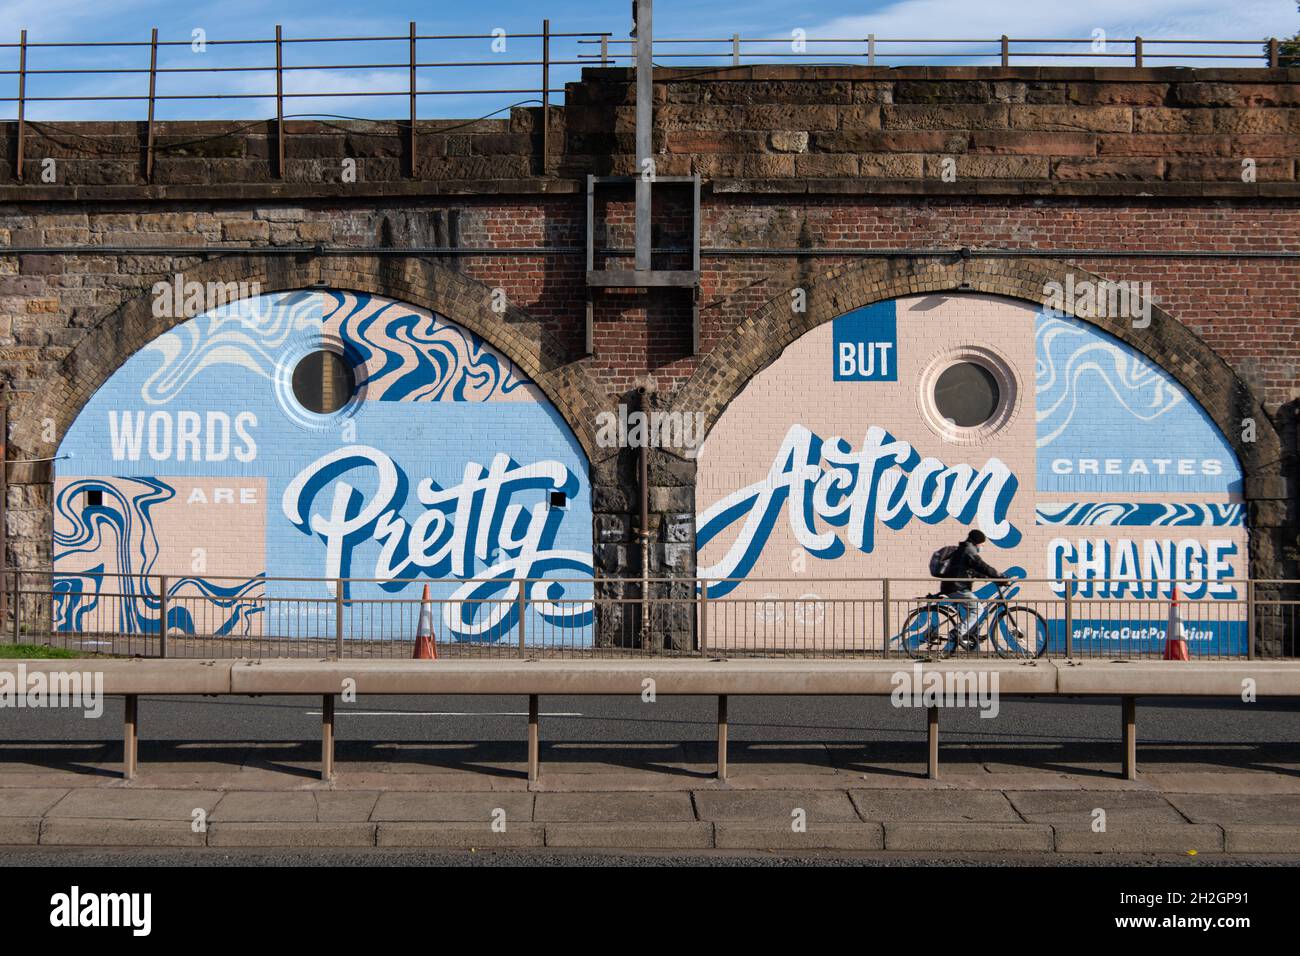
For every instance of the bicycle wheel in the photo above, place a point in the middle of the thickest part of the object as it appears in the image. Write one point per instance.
(928, 630)
(1019, 631)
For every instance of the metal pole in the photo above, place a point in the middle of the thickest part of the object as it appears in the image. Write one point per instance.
(932, 739)
(153, 86)
(130, 734)
(1006, 51)
(327, 737)
(279, 100)
(604, 50)
(1137, 51)
(534, 742)
(162, 615)
(1069, 619)
(1129, 709)
(1251, 619)
(546, 93)
(722, 736)
(644, 123)
(411, 135)
(884, 600)
(22, 103)
(1272, 53)
(704, 617)
(338, 619)
(871, 49)
(735, 49)
(522, 613)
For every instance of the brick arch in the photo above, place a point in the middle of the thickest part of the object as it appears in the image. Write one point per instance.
(761, 339)
(126, 329)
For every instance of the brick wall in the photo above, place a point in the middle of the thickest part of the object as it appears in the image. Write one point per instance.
(818, 164)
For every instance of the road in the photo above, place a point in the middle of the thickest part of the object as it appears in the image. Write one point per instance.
(1027, 723)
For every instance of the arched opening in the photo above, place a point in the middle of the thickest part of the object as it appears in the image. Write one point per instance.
(319, 435)
(894, 429)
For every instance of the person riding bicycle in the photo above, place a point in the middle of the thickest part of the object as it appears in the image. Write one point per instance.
(962, 565)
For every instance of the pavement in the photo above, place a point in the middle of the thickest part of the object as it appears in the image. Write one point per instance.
(789, 797)
(435, 777)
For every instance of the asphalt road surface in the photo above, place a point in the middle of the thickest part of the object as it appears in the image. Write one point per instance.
(1221, 726)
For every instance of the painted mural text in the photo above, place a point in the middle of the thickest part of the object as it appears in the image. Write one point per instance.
(471, 528)
(1128, 568)
(886, 480)
(182, 436)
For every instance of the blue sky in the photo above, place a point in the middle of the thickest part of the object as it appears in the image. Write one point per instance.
(84, 20)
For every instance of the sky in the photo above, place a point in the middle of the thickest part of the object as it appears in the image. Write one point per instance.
(494, 87)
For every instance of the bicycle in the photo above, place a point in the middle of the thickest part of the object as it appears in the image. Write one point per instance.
(1016, 631)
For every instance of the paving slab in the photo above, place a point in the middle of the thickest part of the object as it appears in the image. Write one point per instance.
(1259, 838)
(935, 805)
(762, 806)
(132, 803)
(111, 832)
(452, 807)
(1225, 808)
(29, 803)
(977, 837)
(613, 808)
(1140, 838)
(19, 831)
(458, 835)
(265, 806)
(345, 806)
(848, 836)
(768, 759)
(631, 836)
(1244, 783)
(288, 834)
(1076, 807)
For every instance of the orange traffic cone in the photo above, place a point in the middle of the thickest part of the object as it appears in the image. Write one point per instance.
(1175, 639)
(425, 647)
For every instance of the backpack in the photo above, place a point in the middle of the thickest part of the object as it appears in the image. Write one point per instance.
(940, 560)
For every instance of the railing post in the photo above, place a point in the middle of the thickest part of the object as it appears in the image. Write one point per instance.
(327, 737)
(932, 742)
(162, 615)
(1006, 51)
(604, 50)
(130, 734)
(704, 616)
(279, 101)
(521, 612)
(1252, 619)
(884, 600)
(735, 49)
(722, 736)
(18, 605)
(22, 103)
(871, 49)
(1137, 51)
(153, 87)
(546, 93)
(1272, 53)
(338, 618)
(1129, 720)
(1069, 619)
(411, 136)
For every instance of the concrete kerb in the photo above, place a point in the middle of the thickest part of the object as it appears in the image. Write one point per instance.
(687, 677)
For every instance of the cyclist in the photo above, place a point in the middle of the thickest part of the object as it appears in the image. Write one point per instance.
(962, 565)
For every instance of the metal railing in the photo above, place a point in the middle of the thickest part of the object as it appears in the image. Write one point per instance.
(872, 50)
(408, 76)
(259, 617)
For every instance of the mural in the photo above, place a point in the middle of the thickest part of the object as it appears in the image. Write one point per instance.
(197, 460)
(845, 459)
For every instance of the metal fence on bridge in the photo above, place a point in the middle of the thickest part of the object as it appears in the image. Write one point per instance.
(263, 617)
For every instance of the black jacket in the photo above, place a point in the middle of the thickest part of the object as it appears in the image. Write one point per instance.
(964, 565)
